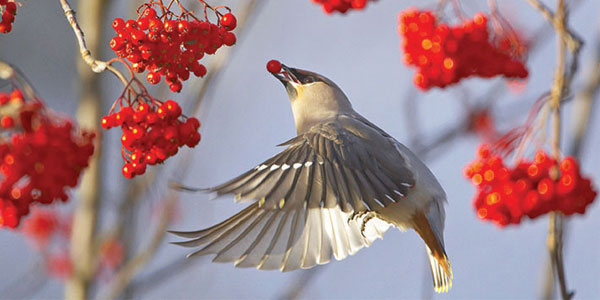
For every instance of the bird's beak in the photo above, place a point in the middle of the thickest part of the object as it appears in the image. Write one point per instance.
(287, 76)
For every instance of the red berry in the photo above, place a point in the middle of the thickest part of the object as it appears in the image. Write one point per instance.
(228, 21)
(149, 13)
(131, 25)
(170, 26)
(153, 78)
(194, 122)
(193, 140)
(175, 86)
(3, 98)
(139, 168)
(107, 121)
(128, 170)
(7, 122)
(8, 18)
(138, 67)
(150, 158)
(199, 70)
(359, 4)
(5, 28)
(229, 38)
(171, 134)
(173, 108)
(183, 27)
(11, 8)
(274, 66)
(152, 118)
(117, 43)
(124, 115)
(155, 25)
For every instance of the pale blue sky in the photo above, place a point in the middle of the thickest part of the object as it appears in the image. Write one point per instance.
(248, 113)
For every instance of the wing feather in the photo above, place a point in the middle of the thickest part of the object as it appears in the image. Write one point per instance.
(303, 199)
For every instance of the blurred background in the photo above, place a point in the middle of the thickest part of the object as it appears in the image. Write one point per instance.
(245, 112)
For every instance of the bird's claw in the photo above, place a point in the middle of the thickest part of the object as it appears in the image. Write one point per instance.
(365, 216)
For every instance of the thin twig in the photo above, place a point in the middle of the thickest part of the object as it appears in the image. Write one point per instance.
(559, 86)
(584, 104)
(153, 280)
(124, 276)
(582, 111)
(97, 66)
(13, 74)
(573, 41)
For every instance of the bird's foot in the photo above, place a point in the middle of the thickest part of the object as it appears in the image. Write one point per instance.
(370, 215)
(357, 215)
(365, 217)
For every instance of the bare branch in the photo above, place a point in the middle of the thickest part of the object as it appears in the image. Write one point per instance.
(559, 87)
(573, 41)
(97, 66)
(124, 276)
(84, 256)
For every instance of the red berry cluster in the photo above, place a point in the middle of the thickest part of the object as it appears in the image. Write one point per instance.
(152, 132)
(49, 232)
(444, 55)
(170, 47)
(505, 195)
(481, 123)
(40, 227)
(342, 6)
(39, 157)
(9, 11)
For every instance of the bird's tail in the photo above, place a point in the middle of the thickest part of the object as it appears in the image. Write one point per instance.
(440, 265)
(441, 272)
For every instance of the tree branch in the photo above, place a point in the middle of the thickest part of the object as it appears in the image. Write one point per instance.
(97, 66)
(84, 255)
(559, 87)
(572, 40)
(124, 276)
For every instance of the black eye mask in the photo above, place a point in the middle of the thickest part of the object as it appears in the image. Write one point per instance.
(305, 78)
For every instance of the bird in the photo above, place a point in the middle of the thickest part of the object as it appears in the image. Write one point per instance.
(339, 185)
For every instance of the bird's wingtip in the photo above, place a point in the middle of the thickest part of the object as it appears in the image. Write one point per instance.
(180, 187)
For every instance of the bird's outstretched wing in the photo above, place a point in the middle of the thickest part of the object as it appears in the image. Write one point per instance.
(305, 198)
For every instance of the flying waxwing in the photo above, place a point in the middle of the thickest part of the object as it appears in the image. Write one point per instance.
(335, 188)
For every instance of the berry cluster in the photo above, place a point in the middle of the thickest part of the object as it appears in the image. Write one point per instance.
(481, 123)
(444, 55)
(342, 6)
(40, 227)
(39, 156)
(170, 46)
(505, 195)
(152, 132)
(9, 11)
(49, 232)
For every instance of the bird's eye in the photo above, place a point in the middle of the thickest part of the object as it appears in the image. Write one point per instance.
(308, 79)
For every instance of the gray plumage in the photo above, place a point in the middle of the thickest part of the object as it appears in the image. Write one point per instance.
(334, 189)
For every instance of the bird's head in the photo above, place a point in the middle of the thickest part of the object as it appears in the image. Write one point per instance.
(314, 98)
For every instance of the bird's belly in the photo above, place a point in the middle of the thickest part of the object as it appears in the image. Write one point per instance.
(402, 212)
(398, 214)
